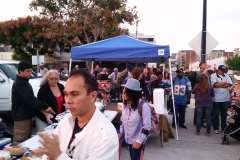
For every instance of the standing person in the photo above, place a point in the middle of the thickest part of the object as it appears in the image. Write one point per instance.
(24, 103)
(158, 83)
(50, 92)
(113, 77)
(220, 81)
(95, 71)
(124, 75)
(134, 127)
(86, 133)
(203, 70)
(203, 96)
(153, 76)
(166, 78)
(104, 71)
(136, 74)
(43, 70)
(182, 94)
(146, 75)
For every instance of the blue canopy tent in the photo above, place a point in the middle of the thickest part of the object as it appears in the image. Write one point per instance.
(121, 49)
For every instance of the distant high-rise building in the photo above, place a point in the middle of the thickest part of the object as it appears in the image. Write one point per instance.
(142, 37)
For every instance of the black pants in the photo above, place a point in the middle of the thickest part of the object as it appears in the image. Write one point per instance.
(134, 153)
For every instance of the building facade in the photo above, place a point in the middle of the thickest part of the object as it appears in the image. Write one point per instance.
(186, 57)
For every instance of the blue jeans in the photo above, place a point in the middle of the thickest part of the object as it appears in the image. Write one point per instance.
(207, 109)
(219, 107)
(134, 153)
(180, 114)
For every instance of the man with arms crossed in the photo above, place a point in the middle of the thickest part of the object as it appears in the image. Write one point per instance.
(220, 81)
(86, 133)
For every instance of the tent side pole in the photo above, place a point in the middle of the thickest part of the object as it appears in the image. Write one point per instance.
(92, 67)
(70, 66)
(176, 126)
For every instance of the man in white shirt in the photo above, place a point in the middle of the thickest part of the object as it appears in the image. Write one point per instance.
(86, 133)
(220, 81)
(43, 70)
(113, 77)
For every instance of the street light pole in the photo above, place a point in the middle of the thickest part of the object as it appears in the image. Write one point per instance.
(204, 31)
(37, 62)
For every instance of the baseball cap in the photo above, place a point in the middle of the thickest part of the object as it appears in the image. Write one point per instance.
(222, 68)
(179, 70)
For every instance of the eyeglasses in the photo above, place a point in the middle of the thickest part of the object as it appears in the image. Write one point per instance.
(53, 78)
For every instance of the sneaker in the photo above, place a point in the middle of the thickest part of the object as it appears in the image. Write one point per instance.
(216, 132)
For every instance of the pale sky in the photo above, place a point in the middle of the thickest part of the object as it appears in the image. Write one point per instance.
(173, 22)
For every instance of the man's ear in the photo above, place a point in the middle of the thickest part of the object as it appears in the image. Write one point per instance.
(94, 95)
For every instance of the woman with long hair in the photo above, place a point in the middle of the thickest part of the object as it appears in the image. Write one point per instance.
(204, 94)
(166, 77)
(51, 92)
(134, 126)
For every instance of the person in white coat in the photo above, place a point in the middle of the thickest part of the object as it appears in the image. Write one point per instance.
(86, 133)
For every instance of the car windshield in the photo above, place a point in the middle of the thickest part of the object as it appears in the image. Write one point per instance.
(10, 70)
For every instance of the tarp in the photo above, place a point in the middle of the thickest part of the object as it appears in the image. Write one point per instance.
(121, 49)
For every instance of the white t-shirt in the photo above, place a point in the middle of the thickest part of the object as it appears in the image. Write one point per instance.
(221, 94)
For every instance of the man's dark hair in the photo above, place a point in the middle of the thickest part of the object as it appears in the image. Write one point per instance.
(203, 62)
(134, 97)
(24, 65)
(95, 65)
(158, 73)
(154, 70)
(90, 82)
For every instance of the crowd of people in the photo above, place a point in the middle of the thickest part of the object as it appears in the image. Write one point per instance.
(87, 133)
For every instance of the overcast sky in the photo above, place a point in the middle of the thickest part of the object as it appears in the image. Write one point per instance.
(173, 22)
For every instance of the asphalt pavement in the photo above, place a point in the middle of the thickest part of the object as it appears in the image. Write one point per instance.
(188, 147)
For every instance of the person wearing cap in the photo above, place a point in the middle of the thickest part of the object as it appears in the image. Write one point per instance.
(43, 70)
(182, 94)
(135, 128)
(221, 82)
(161, 67)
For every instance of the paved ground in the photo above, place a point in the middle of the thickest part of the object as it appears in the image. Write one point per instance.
(190, 146)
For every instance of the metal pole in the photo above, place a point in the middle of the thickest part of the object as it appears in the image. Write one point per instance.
(204, 28)
(37, 62)
(171, 79)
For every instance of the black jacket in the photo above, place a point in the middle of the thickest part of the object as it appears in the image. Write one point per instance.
(24, 103)
(144, 88)
(45, 94)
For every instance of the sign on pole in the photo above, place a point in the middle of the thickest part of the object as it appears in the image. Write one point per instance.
(211, 43)
(36, 58)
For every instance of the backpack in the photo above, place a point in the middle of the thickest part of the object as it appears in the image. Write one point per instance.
(154, 117)
(122, 76)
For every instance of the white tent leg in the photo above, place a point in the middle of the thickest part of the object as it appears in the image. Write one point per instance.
(92, 67)
(176, 126)
(70, 66)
